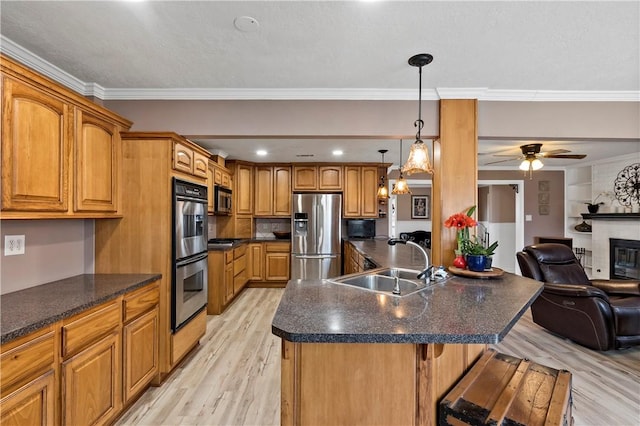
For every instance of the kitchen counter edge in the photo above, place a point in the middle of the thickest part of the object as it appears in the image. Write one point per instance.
(31, 309)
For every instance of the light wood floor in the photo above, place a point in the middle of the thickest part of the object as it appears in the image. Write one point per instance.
(233, 378)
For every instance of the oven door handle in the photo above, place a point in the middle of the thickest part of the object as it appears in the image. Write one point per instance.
(192, 259)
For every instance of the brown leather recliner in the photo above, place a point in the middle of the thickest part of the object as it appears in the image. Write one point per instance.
(598, 314)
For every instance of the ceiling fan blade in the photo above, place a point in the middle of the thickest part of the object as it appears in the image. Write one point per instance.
(501, 161)
(508, 155)
(553, 152)
(571, 156)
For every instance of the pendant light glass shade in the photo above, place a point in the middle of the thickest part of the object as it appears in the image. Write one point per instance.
(418, 161)
(529, 164)
(383, 192)
(401, 186)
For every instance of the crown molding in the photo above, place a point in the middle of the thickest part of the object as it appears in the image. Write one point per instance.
(38, 64)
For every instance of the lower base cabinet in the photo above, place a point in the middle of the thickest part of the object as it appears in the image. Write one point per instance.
(31, 405)
(140, 352)
(92, 383)
(85, 369)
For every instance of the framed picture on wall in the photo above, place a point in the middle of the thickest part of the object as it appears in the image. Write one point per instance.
(419, 207)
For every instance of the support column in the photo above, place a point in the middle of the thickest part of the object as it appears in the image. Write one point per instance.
(455, 177)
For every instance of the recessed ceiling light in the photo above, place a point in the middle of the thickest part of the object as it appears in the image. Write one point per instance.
(261, 152)
(337, 152)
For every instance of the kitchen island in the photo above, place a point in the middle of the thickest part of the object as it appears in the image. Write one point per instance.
(352, 356)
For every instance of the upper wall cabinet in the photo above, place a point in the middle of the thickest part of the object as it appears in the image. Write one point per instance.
(317, 177)
(188, 159)
(360, 191)
(60, 152)
(272, 191)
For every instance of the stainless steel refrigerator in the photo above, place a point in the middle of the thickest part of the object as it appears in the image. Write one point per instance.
(316, 236)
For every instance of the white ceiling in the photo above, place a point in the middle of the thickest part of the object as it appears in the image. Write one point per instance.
(336, 50)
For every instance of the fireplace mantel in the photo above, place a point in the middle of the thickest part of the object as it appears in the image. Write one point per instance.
(611, 216)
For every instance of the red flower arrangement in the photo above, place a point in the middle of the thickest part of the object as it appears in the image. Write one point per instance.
(462, 222)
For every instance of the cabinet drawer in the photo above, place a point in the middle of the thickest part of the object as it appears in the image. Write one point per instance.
(239, 265)
(277, 247)
(140, 302)
(228, 257)
(21, 363)
(86, 329)
(239, 251)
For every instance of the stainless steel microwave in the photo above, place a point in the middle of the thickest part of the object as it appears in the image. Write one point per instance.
(222, 200)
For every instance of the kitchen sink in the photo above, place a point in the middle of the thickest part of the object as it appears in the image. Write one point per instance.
(384, 280)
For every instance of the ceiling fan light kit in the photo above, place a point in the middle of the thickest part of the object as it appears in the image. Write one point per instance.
(418, 161)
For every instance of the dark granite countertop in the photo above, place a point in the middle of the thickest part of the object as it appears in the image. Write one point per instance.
(239, 241)
(459, 310)
(28, 310)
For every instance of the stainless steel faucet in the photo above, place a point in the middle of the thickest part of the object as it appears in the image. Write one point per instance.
(428, 270)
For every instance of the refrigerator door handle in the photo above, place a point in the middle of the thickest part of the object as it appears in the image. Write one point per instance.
(315, 257)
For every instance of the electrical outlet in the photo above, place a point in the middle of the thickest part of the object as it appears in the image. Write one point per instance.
(13, 245)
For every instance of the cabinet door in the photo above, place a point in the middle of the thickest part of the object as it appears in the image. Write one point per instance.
(243, 194)
(200, 164)
(140, 353)
(305, 178)
(36, 137)
(352, 191)
(97, 154)
(256, 269)
(330, 178)
(31, 405)
(228, 282)
(226, 180)
(91, 383)
(210, 188)
(182, 158)
(282, 191)
(368, 191)
(277, 266)
(263, 189)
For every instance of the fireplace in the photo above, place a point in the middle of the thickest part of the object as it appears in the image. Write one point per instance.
(624, 258)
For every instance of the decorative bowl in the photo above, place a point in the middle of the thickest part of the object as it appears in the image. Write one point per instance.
(282, 235)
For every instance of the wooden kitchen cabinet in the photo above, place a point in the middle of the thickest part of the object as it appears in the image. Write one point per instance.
(60, 152)
(239, 268)
(91, 383)
(29, 369)
(91, 372)
(190, 159)
(272, 190)
(277, 262)
(243, 188)
(317, 177)
(330, 178)
(256, 262)
(228, 274)
(360, 191)
(36, 140)
(273, 260)
(140, 340)
(97, 153)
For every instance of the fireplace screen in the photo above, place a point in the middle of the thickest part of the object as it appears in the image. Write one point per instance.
(625, 259)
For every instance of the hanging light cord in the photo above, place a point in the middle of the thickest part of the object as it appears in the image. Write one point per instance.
(419, 123)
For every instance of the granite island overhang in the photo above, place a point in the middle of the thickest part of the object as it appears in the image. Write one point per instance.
(352, 356)
(458, 310)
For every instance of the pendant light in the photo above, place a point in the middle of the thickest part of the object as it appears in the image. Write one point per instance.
(418, 161)
(401, 186)
(383, 192)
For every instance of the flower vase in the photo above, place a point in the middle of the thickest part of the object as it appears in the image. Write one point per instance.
(459, 261)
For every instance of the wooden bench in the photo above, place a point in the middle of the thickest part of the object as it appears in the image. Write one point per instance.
(505, 390)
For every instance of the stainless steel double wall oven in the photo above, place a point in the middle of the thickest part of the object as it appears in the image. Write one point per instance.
(189, 295)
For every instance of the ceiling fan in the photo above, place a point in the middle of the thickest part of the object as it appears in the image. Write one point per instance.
(531, 155)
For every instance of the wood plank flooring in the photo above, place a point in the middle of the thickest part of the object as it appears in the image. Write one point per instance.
(233, 378)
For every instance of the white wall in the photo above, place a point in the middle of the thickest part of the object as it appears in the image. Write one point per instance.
(54, 249)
